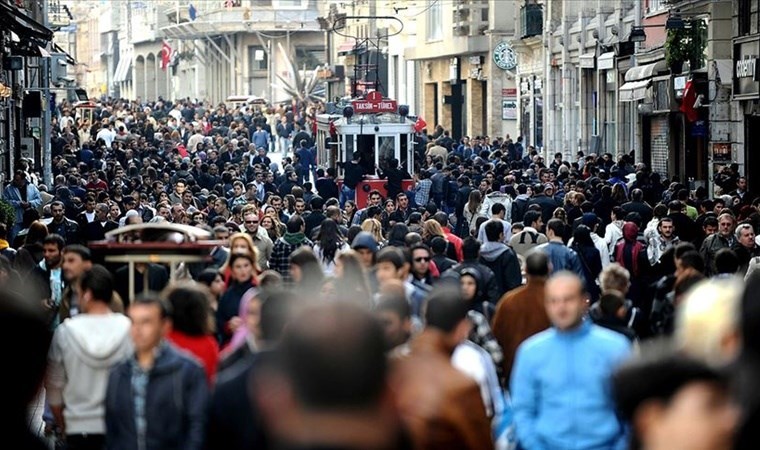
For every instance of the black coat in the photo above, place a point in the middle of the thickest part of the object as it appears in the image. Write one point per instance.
(547, 204)
(506, 269)
(175, 409)
(233, 421)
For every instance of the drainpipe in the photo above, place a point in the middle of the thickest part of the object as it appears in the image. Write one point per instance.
(635, 144)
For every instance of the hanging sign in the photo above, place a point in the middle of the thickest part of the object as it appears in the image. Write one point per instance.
(374, 103)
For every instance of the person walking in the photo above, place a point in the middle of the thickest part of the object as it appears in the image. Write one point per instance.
(561, 376)
(157, 398)
(83, 350)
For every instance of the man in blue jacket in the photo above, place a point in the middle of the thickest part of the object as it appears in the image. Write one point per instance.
(560, 383)
(157, 398)
(22, 195)
(560, 256)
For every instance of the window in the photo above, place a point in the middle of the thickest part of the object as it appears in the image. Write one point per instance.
(257, 58)
(309, 58)
(743, 17)
(656, 5)
(434, 20)
(290, 4)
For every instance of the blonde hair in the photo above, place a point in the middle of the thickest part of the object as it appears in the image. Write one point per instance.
(615, 277)
(707, 321)
(431, 228)
(373, 227)
(254, 252)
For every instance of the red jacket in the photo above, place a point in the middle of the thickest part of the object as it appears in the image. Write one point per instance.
(456, 241)
(204, 348)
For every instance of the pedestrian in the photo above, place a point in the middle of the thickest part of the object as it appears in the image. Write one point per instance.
(157, 398)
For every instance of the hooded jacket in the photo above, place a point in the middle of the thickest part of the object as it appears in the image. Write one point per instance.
(83, 351)
(503, 261)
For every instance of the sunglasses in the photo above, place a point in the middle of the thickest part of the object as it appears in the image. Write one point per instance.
(422, 259)
(251, 221)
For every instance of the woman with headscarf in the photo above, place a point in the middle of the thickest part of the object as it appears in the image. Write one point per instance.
(632, 254)
(243, 277)
(243, 343)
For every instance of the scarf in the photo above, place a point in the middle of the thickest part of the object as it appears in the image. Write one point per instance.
(630, 247)
(294, 238)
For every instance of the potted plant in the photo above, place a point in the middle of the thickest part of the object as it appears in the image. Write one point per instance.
(7, 214)
(686, 44)
(676, 49)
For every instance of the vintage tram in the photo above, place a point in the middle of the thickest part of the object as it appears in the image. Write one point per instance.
(376, 127)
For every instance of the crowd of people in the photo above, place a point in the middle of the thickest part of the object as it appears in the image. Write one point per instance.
(502, 301)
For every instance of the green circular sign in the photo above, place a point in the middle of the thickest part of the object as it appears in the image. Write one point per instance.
(505, 56)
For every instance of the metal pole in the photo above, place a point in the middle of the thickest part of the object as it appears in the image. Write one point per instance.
(47, 164)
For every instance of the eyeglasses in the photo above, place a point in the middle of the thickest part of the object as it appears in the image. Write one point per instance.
(422, 259)
(251, 221)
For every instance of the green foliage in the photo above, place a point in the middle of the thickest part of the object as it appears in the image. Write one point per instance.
(687, 45)
(7, 214)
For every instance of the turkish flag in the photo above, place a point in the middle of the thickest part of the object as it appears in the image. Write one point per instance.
(166, 55)
(420, 124)
(687, 101)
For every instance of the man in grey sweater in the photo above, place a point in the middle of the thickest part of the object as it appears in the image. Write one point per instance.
(83, 350)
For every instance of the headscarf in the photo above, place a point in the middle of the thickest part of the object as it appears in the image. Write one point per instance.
(629, 246)
(241, 334)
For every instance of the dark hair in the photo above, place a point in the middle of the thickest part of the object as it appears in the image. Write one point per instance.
(392, 255)
(276, 312)
(441, 218)
(556, 226)
(537, 264)
(80, 250)
(208, 276)
(682, 248)
(494, 229)
(610, 302)
(726, 261)
(582, 236)
(295, 223)
(692, 259)
(438, 245)
(396, 304)
(329, 239)
(334, 355)
(530, 216)
(498, 208)
(397, 234)
(657, 378)
(56, 239)
(98, 280)
(445, 309)
(471, 248)
(153, 299)
(190, 303)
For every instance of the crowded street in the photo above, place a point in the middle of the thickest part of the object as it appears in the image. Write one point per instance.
(361, 267)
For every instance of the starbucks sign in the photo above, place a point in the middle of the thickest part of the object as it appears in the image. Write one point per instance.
(504, 56)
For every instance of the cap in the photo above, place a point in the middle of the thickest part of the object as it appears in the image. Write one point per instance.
(364, 240)
(590, 219)
(548, 186)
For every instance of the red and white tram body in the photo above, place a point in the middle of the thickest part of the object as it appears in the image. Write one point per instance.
(373, 127)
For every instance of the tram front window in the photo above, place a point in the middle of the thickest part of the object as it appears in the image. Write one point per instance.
(366, 148)
(387, 150)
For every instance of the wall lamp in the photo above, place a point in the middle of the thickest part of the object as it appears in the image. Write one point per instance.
(674, 22)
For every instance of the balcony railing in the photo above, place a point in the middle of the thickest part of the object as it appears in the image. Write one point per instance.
(531, 20)
(470, 17)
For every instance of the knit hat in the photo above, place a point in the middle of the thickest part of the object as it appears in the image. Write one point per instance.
(364, 240)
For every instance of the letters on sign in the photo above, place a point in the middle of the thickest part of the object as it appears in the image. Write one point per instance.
(374, 103)
(746, 67)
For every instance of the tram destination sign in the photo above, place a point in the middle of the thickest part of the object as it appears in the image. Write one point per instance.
(374, 103)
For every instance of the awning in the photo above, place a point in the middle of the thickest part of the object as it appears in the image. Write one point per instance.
(69, 59)
(349, 48)
(123, 69)
(587, 60)
(17, 21)
(632, 91)
(606, 61)
(644, 72)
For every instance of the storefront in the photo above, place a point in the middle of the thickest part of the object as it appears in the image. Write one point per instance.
(746, 90)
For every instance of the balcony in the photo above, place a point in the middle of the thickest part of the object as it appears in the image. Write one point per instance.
(531, 21)
(470, 18)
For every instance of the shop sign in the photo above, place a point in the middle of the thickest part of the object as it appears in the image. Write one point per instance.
(746, 54)
(699, 129)
(508, 108)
